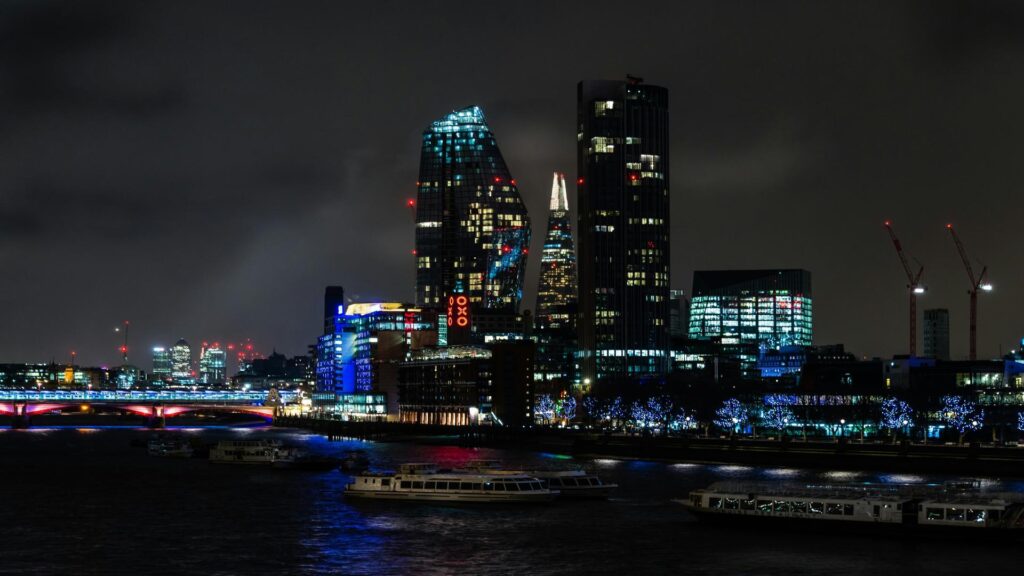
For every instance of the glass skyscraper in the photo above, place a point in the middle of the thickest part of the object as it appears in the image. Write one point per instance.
(759, 308)
(472, 229)
(623, 229)
(555, 320)
(181, 363)
(213, 361)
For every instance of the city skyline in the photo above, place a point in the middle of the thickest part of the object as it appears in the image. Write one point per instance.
(781, 157)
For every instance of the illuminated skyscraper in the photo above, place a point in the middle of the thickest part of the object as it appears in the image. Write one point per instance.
(472, 229)
(557, 286)
(213, 362)
(555, 323)
(181, 363)
(623, 229)
(936, 333)
(161, 365)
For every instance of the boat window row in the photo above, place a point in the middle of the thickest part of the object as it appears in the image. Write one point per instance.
(961, 514)
(474, 486)
(570, 482)
(782, 506)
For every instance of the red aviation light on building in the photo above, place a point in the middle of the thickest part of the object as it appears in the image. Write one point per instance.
(413, 251)
(633, 177)
(526, 250)
(506, 248)
(579, 181)
(512, 181)
(497, 179)
(411, 203)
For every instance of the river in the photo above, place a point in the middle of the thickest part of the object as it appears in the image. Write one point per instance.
(84, 501)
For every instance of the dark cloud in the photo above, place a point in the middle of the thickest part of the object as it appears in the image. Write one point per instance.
(204, 169)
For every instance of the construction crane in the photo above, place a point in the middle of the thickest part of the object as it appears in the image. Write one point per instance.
(914, 286)
(976, 283)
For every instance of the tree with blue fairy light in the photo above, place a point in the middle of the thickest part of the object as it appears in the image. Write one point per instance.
(962, 415)
(896, 415)
(731, 416)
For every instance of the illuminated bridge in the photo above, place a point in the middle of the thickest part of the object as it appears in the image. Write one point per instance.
(155, 405)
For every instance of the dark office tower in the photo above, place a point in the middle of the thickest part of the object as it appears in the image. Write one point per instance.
(555, 324)
(472, 230)
(678, 313)
(334, 302)
(623, 229)
(936, 333)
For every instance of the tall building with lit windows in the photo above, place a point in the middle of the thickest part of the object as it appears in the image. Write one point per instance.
(623, 229)
(181, 363)
(555, 316)
(747, 311)
(213, 362)
(472, 229)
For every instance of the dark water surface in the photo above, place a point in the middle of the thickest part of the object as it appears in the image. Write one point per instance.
(83, 501)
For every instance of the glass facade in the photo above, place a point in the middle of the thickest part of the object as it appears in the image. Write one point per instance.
(556, 292)
(623, 228)
(472, 229)
(161, 365)
(181, 364)
(213, 365)
(751, 310)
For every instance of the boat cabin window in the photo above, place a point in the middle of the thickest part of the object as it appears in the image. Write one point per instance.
(800, 507)
(417, 485)
(876, 510)
(569, 482)
(816, 508)
(781, 506)
(385, 481)
(732, 503)
(956, 514)
(764, 505)
(833, 508)
(477, 486)
(847, 509)
(748, 504)
(935, 513)
(714, 502)
(975, 515)
(406, 484)
(466, 486)
(430, 485)
(993, 514)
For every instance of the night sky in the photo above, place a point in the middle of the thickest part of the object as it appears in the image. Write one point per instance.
(204, 169)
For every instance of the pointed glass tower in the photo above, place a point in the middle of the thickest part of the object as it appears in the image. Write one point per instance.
(472, 229)
(557, 287)
(556, 293)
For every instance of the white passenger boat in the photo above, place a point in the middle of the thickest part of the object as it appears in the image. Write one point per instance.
(570, 484)
(868, 508)
(247, 452)
(425, 483)
(574, 484)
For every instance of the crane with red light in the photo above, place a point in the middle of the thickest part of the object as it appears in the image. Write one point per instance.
(976, 283)
(914, 286)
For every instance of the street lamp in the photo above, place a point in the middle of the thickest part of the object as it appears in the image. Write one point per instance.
(986, 287)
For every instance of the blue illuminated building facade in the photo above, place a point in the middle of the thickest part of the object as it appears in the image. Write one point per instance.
(472, 228)
(358, 357)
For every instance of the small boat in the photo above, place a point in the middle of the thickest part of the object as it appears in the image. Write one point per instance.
(169, 447)
(425, 483)
(247, 452)
(872, 509)
(355, 461)
(299, 460)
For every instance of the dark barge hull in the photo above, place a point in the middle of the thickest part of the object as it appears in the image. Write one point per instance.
(763, 522)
